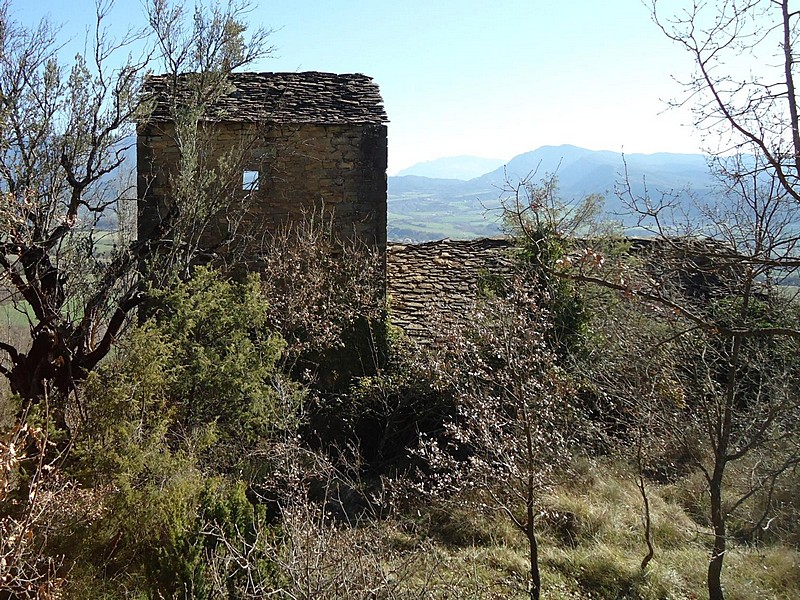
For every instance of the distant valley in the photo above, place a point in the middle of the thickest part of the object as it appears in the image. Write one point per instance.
(422, 207)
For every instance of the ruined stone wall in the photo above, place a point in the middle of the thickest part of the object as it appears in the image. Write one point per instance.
(435, 282)
(440, 280)
(301, 168)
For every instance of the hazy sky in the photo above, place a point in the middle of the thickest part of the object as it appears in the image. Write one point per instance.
(489, 78)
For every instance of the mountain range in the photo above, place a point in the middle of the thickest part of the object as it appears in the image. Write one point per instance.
(454, 167)
(425, 208)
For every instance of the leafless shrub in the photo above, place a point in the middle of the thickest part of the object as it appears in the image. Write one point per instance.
(35, 508)
(516, 421)
(322, 549)
(319, 285)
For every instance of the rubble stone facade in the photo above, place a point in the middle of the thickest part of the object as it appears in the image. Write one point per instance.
(441, 279)
(301, 141)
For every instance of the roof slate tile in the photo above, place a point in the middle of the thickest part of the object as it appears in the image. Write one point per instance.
(305, 97)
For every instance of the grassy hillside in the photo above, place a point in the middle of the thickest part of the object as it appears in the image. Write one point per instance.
(591, 547)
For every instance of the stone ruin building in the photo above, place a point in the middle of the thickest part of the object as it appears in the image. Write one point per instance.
(303, 142)
(319, 140)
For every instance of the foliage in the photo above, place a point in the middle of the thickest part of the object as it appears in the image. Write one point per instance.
(550, 233)
(388, 412)
(226, 358)
(64, 135)
(325, 296)
(515, 422)
(212, 365)
(167, 428)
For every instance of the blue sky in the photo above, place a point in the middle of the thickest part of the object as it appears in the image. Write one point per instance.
(488, 78)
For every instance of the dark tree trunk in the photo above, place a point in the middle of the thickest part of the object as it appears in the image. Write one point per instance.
(536, 581)
(718, 523)
(530, 526)
(648, 524)
(47, 370)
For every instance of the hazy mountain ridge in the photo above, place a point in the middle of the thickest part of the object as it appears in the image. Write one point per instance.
(453, 167)
(422, 208)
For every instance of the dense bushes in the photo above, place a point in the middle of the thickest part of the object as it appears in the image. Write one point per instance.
(164, 438)
(203, 464)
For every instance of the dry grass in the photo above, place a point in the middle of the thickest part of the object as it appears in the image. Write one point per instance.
(601, 556)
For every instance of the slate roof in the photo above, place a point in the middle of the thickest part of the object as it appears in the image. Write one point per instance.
(306, 97)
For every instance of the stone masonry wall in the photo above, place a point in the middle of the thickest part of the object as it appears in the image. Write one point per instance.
(302, 168)
(440, 279)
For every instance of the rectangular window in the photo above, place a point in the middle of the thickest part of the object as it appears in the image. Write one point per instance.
(250, 181)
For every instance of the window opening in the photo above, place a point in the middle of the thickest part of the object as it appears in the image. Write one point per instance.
(250, 181)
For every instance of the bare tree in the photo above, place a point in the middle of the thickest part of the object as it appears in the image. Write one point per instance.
(516, 420)
(742, 92)
(744, 97)
(717, 283)
(731, 334)
(64, 135)
(205, 208)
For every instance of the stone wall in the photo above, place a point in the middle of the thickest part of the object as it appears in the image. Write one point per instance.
(440, 280)
(436, 281)
(301, 168)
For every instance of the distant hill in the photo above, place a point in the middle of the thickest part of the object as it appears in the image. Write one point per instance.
(453, 167)
(424, 208)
